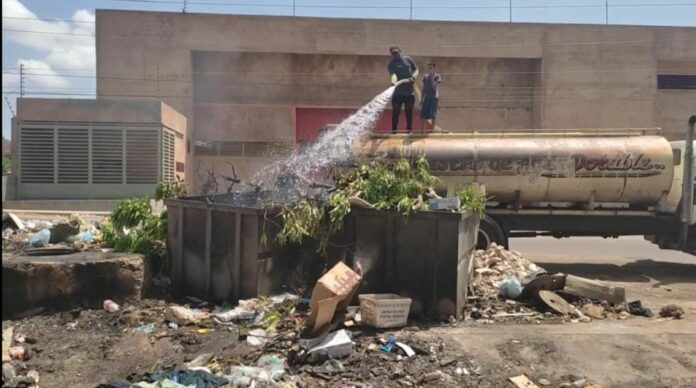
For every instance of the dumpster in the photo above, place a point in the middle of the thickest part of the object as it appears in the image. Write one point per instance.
(224, 252)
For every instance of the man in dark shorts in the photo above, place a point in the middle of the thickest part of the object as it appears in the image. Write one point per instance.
(402, 68)
(431, 96)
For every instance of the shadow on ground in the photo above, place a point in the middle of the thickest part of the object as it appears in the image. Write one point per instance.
(638, 271)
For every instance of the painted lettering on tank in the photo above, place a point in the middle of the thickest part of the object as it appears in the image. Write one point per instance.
(628, 162)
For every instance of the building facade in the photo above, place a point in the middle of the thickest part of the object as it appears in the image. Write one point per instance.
(252, 87)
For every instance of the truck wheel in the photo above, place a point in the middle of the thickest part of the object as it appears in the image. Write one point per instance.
(490, 232)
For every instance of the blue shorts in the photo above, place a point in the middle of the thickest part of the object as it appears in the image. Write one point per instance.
(429, 108)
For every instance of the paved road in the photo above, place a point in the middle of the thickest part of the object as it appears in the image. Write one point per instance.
(617, 250)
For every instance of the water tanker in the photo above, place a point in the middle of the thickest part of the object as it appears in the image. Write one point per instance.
(560, 182)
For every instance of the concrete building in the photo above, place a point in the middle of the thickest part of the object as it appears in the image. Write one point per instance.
(95, 149)
(253, 86)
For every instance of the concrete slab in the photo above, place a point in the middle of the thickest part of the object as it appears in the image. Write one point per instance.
(69, 206)
(83, 279)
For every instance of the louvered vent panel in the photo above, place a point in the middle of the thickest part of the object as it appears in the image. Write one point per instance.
(141, 156)
(107, 156)
(168, 166)
(37, 155)
(73, 155)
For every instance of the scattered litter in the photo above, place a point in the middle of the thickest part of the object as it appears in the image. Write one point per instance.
(146, 328)
(637, 308)
(111, 306)
(185, 316)
(64, 231)
(161, 384)
(18, 353)
(555, 302)
(201, 360)
(334, 345)
(407, 349)
(248, 376)
(522, 381)
(544, 382)
(510, 288)
(40, 239)
(274, 365)
(672, 310)
(594, 311)
(7, 335)
(11, 220)
(190, 377)
(8, 371)
(257, 337)
(384, 310)
(332, 293)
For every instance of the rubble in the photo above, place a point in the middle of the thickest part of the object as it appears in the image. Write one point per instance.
(507, 286)
(672, 310)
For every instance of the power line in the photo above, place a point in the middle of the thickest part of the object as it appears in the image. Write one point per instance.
(449, 101)
(330, 73)
(47, 32)
(383, 45)
(49, 20)
(348, 6)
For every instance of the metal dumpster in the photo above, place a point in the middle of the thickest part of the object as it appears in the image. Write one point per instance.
(217, 252)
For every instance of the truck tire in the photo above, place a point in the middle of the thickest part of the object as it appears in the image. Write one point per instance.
(490, 232)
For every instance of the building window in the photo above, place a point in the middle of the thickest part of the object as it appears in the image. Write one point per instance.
(676, 81)
(73, 155)
(242, 148)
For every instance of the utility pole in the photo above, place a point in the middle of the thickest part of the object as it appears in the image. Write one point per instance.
(183, 10)
(293, 8)
(21, 80)
(606, 11)
(510, 8)
(411, 11)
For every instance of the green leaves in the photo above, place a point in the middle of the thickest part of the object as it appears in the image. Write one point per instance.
(469, 199)
(396, 186)
(170, 190)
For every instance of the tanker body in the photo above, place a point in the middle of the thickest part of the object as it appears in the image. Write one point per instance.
(560, 183)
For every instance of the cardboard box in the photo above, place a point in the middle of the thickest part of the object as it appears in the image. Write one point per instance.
(333, 292)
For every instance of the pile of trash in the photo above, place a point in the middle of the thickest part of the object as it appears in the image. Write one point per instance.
(506, 285)
(291, 341)
(34, 236)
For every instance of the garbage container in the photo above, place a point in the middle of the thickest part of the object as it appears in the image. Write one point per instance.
(217, 252)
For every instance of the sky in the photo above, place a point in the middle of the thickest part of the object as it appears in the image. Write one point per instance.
(59, 55)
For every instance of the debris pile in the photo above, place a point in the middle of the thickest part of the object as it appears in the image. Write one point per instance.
(506, 285)
(56, 235)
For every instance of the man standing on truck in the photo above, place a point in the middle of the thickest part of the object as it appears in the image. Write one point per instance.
(402, 68)
(430, 96)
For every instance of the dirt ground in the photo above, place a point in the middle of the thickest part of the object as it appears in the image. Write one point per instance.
(84, 348)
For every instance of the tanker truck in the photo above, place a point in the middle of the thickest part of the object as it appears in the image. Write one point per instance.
(562, 183)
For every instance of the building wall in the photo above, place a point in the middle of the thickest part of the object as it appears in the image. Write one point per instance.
(241, 78)
(94, 149)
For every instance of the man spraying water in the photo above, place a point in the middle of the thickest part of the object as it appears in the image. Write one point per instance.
(403, 72)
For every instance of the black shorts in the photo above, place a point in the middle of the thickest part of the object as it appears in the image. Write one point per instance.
(429, 108)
